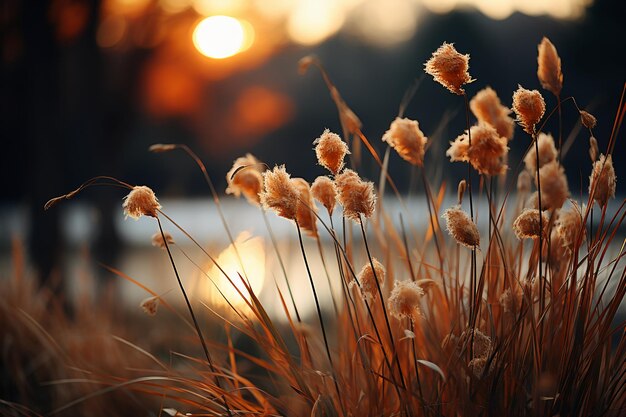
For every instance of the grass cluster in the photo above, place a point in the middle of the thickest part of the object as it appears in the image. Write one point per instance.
(516, 317)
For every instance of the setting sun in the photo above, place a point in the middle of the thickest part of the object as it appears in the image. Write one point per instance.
(221, 37)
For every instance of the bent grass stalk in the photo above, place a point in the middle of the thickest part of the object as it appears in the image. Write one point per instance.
(473, 265)
(534, 138)
(319, 315)
(382, 303)
(193, 318)
(280, 261)
(216, 199)
(353, 274)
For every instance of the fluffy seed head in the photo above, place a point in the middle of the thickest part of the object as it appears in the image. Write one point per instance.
(487, 107)
(367, 279)
(549, 67)
(324, 190)
(305, 207)
(461, 227)
(330, 151)
(141, 201)
(547, 153)
(603, 179)
(526, 226)
(588, 120)
(150, 305)
(404, 300)
(355, 195)
(405, 136)
(529, 108)
(346, 176)
(245, 177)
(554, 190)
(458, 149)
(280, 194)
(159, 242)
(569, 225)
(449, 68)
(487, 153)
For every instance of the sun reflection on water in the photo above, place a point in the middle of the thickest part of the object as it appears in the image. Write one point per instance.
(252, 254)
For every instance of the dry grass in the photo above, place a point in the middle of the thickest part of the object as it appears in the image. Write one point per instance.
(504, 327)
(51, 356)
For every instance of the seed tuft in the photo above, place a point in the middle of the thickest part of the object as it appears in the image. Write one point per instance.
(141, 201)
(526, 225)
(405, 136)
(279, 194)
(449, 68)
(461, 227)
(405, 299)
(355, 195)
(549, 67)
(529, 108)
(603, 179)
(330, 151)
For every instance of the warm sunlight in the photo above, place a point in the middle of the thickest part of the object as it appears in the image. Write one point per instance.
(561, 9)
(252, 254)
(310, 23)
(221, 36)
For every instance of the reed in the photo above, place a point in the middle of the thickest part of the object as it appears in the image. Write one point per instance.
(524, 323)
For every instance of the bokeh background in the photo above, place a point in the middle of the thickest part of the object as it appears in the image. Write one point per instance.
(88, 85)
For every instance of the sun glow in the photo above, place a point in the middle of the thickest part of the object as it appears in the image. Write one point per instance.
(221, 37)
(252, 254)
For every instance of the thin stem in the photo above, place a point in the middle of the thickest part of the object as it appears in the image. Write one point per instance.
(382, 303)
(193, 317)
(392, 184)
(319, 315)
(353, 276)
(89, 183)
(432, 226)
(216, 199)
(417, 372)
(408, 95)
(280, 261)
(469, 190)
(489, 185)
(330, 286)
(406, 249)
(539, 204)
(344, 283)
(348, 265)
(204, 251)
(558, 101)
(469, 166)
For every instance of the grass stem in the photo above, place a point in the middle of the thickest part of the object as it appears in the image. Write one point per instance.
(319, 315)
(193, 317)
